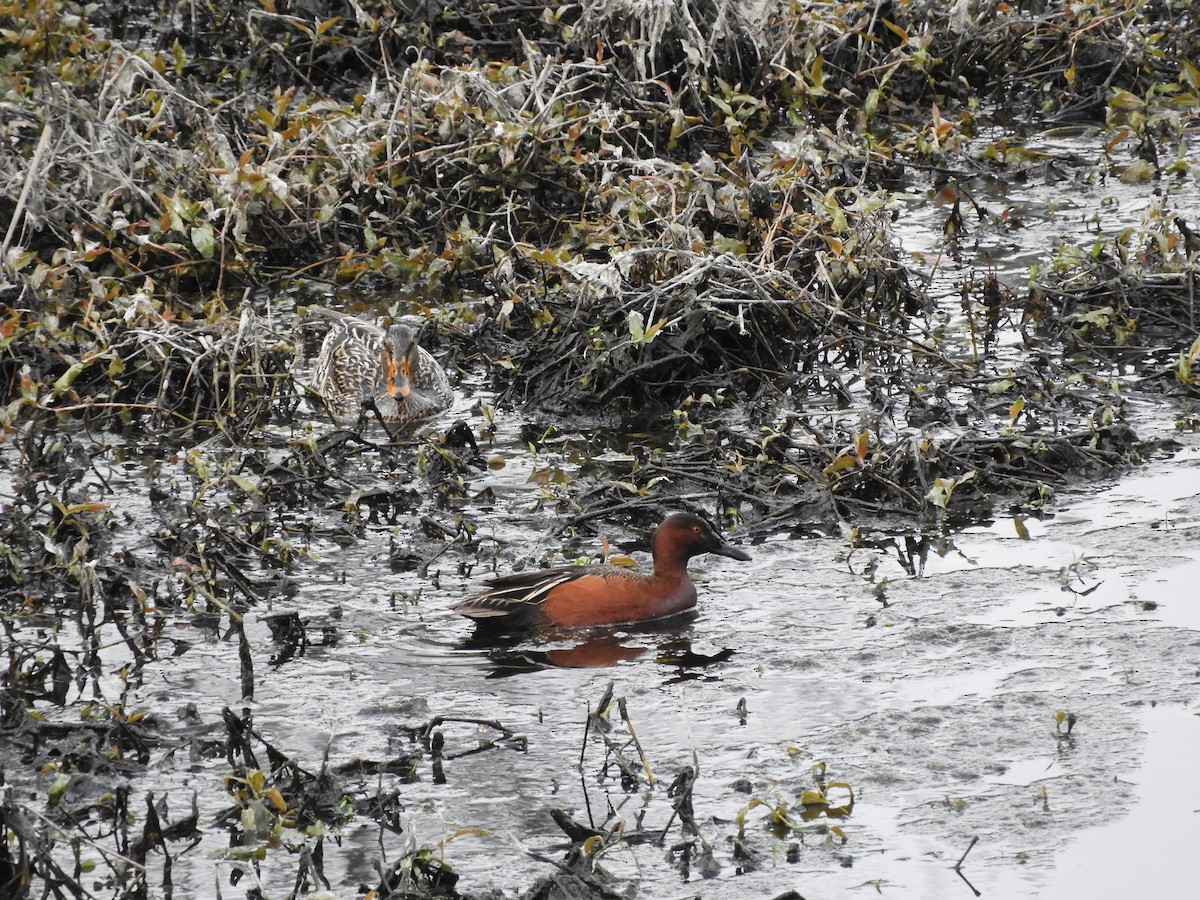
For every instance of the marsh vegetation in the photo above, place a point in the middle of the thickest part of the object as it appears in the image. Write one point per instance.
(665, 251)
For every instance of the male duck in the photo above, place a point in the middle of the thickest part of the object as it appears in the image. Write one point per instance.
(580, 596)
(361, 363)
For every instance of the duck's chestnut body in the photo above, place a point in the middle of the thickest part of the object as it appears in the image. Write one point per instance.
(581, 596)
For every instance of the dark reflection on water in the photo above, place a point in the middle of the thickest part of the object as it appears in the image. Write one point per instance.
(667, 642)
(290, 634)
(595, 652)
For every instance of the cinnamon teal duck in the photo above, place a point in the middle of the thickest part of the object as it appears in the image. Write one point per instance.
(580, 596)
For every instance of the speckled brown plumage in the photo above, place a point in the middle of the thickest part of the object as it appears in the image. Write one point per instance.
(360, 362)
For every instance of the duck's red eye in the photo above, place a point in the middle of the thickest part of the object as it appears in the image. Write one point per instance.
(696, 529)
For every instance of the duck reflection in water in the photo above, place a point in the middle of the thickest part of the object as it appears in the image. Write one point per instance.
(661, 642)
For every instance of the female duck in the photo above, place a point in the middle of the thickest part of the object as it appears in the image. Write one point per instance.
(360, 364)
(579, 596)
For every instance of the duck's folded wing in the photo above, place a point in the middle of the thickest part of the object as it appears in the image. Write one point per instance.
(430, 378)
(348, 365)
(509, 594)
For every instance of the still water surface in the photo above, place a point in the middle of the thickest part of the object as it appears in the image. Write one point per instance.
(938, 710)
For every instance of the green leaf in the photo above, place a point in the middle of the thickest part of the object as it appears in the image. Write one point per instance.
(64, 380)
(204, 239)
(1123, 99)
(1138, 172)
(61, 782)
(245, 485)
(1191, 74)
(637, 326)
(1101, 317)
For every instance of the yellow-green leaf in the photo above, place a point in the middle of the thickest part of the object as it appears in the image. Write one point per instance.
(637, 326)
(245, 485)
(1015, 410)
(59, 787)
(1123, 99)
(276, 799)
(256, 780)
(896, 30)
(204, 239)
(845, 461)
(1191, 74)
(64, 380)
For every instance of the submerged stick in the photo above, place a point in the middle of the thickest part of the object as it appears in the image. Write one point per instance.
(970, 846)
(587, 799)
(958, 868)
(636, 742)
